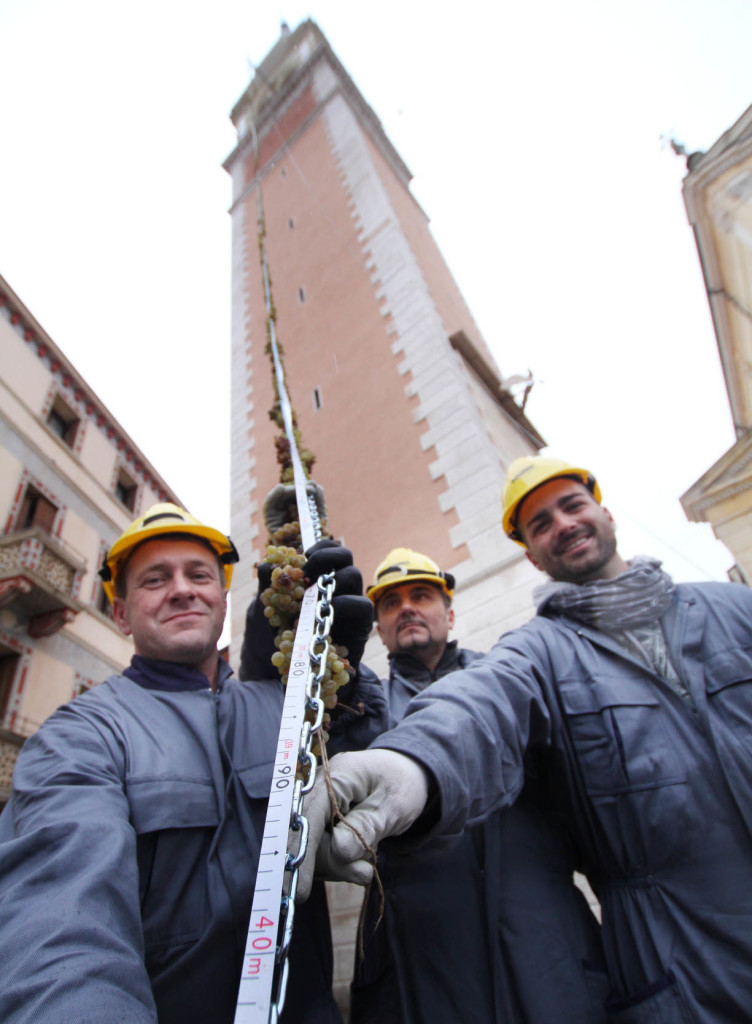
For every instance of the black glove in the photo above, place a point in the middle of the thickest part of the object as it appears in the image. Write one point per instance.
(258, 636)
(353, 613)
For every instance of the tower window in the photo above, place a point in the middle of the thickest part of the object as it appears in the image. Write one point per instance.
(301, 294)
(283, 172)
(317, 400)
(291, 223)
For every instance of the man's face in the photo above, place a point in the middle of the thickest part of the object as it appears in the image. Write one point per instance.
(568, 534)
(175, 603)
(414, 618)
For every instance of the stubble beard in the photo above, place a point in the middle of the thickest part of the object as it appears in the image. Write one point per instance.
(590, 569)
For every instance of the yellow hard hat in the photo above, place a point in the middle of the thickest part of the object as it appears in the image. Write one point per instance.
(529, 472)
(155, 522)
(402, 565)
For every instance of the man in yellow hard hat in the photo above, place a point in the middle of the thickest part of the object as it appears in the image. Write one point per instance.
(412, 599)
(584, 552)
(630, 698)
(490, 892)
(179, 572)
(129, 848)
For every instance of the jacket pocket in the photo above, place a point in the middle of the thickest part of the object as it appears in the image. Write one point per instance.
(659, 1003)
(617, 728)
(162, 803)
(175, 820)
(731, 668)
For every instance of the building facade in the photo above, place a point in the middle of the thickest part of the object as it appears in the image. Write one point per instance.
(718, 197)
(395, 389)
(70, 481)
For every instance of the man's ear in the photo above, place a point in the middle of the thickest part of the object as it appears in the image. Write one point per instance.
(118, 614)
(608, 515)
(378, 629)
(450, 617)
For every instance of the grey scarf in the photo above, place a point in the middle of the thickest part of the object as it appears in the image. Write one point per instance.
(638, 597)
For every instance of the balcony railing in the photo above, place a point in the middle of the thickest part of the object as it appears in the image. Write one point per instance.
(39, 578)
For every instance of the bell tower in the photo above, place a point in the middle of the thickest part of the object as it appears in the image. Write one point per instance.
(395, 390)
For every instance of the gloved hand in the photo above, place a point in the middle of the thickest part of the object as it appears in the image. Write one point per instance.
(281, 506)
(380, 793)
(258, 636)
(318, 861)
(353, 613)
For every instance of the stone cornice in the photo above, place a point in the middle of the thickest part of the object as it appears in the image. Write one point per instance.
(718, 484)
(731, 149)
(490, 380)
(705, 193)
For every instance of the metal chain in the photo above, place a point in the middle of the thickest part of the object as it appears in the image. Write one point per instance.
(318, 649)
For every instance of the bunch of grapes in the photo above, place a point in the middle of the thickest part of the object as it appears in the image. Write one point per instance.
(282, 600)
(337, 666)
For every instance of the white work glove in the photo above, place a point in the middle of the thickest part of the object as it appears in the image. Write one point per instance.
(380, 793)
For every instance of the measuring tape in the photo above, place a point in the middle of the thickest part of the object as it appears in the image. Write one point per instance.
(265, 963)
(273, 911)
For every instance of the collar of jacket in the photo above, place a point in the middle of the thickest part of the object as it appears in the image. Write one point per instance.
(673, 622)
(169, 676)
(412, 669)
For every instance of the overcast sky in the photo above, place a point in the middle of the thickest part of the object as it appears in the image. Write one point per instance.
(534, 135)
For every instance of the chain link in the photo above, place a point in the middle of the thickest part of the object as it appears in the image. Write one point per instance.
(306, 774)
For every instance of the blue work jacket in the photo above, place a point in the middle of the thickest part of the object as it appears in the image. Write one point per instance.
(489, 927)
(128, 855)
(656, 787)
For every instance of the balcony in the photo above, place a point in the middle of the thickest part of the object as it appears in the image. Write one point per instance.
(40, 579)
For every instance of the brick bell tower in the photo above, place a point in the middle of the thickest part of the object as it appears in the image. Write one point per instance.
(394, 387)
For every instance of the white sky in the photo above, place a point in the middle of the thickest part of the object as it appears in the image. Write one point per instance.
(534, 134)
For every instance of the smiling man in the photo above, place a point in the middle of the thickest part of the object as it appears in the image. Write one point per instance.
(175, 605)
(629, 698)
(129, 848)
(567, 532)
